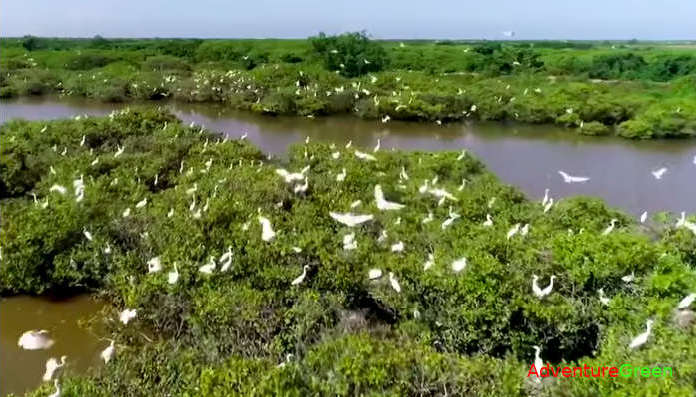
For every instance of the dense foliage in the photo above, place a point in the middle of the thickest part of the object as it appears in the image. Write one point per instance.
(188, 196)
(630, 89)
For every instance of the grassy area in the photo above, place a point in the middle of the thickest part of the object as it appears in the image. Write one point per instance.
(635, 90)
(185, 196)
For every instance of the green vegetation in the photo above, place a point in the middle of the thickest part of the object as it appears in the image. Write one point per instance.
(632, 89)
(225, 333)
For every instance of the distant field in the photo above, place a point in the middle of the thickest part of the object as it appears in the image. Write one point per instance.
(631, 88)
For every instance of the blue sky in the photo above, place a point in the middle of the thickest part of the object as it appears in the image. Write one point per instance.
(536, 19)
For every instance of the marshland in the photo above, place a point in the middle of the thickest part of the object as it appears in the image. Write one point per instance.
(342, 215)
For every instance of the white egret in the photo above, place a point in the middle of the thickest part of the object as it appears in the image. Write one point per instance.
(687, 301)
(602, 298)
(154, 265)
(349, 242)
(119, 151)
(658, 174)
(513, 230)
(374, 274)
(290, 177)
(386, 118)
(428, 218)
(538, 292)
(629, 278)
(573, 179)
(548, 206)
(301, 277)
(267, 232)
(173, 276)
(302, 188)
(349, 219)
(643, 216)
(348, 145)
(394, 282)
(57, 386)
(126, 213)
(127, 315)
(209, 267)
(365, 156)
(461, 155)
(107, 250)
(403, 175)
(377, 146)
(192, 189)
(640, 340)
(170, 213)
(546, 198)
(35, 340)
(538, 362)
(682, 220)
(296, 250)
(489, 221)
(58, 188)
(442, 194)
(383, 204)
(459, 265)
(335, 155)
(107, 353)
(52, 366)
(398, 247)
(87, 234)
(610, 227)
(141, 203)
(226, 260)
(525, 229)
(342, 176)
(82, 142)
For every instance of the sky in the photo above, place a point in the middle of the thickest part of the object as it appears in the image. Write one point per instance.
(384, 19)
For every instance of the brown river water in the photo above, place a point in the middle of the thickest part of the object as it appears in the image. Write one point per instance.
(526, 156)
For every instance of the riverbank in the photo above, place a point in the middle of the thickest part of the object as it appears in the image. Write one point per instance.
(289, 78)
(140, 185)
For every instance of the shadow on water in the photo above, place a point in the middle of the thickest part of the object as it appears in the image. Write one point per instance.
(527, 156)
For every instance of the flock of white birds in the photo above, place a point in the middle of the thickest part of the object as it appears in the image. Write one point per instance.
(40, 339)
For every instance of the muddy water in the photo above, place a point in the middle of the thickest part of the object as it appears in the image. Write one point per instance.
(20, 369)
(528, 157)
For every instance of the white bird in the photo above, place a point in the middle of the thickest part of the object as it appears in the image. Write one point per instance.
(355, 204)
(687, 301)
(386, 118)
(173, 276)
(540, 293)
(658, 174)
(398, 247)
(548, 206)
(513, 230)
(573, 179)
(87, 234)
(290, 177)
(335, 155)
(82, 142)
(403, 175)
(192, 189)
(377, 146)
(442, 194)
(394, 282)
(447, 222)
(107, 353)
(57, 386)
(349, 219)
(126, 213)
(349, 242)
(119, 151)
(127, 315)
(459, 265)
(302, 188)
(383, 204)
(348, 145)
(602, 298)
(429, 262)
(365, 156)
(525, 229)
(52, 366)
(209, 267)
(342, 176)
(640, 340)
(546, 198)
(374, 274)
(489, 221)
(35, 340)
(267, 232)
(538, 362)
(610, 227)
(301, 277)
(170, 213)
(141, 203)
(461, 155)
(643, 216)
(682, 220)
(58, 188)
(226, 259)
(154, 265)
(428, 218)
(629, 278)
